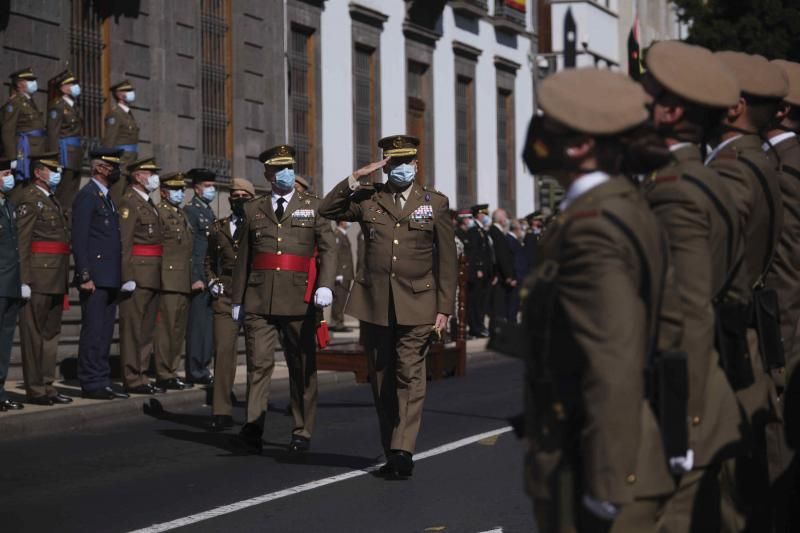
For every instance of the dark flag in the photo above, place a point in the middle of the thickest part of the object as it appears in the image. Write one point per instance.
(570, 40)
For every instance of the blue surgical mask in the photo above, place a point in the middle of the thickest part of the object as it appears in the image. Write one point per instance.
(130, 96)
(8, 183)
(75, 90)
(153, 183)
(209, 193)
(402, 174)
(54, 179)
(471, 223)
(175, 196)
(284, 179)
(32, 87)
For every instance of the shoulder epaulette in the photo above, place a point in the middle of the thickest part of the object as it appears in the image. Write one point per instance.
(587, 213)
(666, 179)
(431, 189)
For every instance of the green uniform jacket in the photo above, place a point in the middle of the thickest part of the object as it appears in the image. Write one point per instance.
(176, 264)
(20, 114)
(63, 120)
(696, 210)
(9, 253)
(605, 316)
(220, 259)
(40, 218)
(121, 128)
(344, 258)
(139, 224)
(300, 232)
(401, 249)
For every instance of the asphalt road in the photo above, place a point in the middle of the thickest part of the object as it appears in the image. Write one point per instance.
(168, 470)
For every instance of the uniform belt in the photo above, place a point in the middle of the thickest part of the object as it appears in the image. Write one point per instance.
(148, 250)
(63, 143)
(293, 263)
(127, 147)
(50, 247)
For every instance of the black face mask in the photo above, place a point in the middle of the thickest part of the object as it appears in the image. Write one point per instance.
(544, 149)
(644, 150)
(237, 206)
(114, 176)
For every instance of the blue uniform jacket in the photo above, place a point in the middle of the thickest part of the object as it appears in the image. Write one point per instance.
(9, 253)
(96, 242)
(200, 217)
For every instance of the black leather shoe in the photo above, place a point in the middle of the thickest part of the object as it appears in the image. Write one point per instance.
(98, 394)
(60, 398)
(399, 465)
(118, 394)
(299, 444)
(10, 405)
(205, 380)
(41, 400)
(250, 436)
(221, 422)
(173, 384)
(143, 389)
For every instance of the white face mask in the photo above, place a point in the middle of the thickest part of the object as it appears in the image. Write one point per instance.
(32, 87)
(153, 182)
(75, 90)
(130, 96)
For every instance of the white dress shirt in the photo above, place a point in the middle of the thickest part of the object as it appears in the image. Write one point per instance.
(582, 185)
(719, 148)
(287, 197)
(777, 139)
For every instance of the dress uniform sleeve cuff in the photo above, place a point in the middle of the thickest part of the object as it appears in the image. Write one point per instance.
(353, 183)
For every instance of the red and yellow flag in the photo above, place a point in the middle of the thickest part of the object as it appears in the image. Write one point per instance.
(519, 5)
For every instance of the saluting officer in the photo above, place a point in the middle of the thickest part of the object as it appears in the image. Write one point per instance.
(23, 129)
(273, 283)
(64, 129)
(122, 131)
(10, 297)
(224, 237)
(401, 300)
(478, 250)
(176, 269)
(344, 276)
(753, 182)
(691, 91)
(596, 460)
(199, 334)
(142, 251)
(44, 267)
(97, 251)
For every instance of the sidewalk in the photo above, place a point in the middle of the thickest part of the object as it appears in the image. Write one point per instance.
(36, 420)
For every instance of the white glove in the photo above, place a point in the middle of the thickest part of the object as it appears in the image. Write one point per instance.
(25, 291)
(235, 312)
(682, 464)
(603, 510)
(339, 279)
(128, 286)
(323, 297)
(217, 289)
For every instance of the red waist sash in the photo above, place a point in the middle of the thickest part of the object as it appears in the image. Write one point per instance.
(50, 247)
(292, 263)
(148, 250)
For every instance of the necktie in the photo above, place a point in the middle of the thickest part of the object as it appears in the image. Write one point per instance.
(280, 210)
(109, 203)
(53, 198)
(237, 233)
(398, 201)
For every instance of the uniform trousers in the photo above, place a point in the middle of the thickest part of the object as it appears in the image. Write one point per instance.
(340, 294)
(226, 336)
(199, 337)
(298, 336)
(477, 300)
(396, 360)
(173, 313)
(137, 321)
(40, 326)
(695, 505)
(9, 309)
(98, 312)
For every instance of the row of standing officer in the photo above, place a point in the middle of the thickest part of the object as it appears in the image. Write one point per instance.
(656, 383)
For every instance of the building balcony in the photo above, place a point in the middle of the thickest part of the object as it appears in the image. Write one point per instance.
(509, 18)
(471, 8)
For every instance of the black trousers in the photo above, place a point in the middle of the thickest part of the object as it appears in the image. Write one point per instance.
(98, 311)
(9, 309)
(477, 301)
(199, 337)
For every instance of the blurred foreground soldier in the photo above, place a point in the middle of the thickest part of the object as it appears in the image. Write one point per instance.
(597, 460)
(44, 267)
(64, 129)
(273, 283)
(23, 129)
(691, 91)
(199, 334)
(478, 251)
(344, 276)
(142, 252)
(401, 301)
(224, 237)
(97, 250)
(122, 131)
(10, 298)
(176, 268)
(752, 180)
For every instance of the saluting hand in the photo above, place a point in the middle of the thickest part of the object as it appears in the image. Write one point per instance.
(369, 169)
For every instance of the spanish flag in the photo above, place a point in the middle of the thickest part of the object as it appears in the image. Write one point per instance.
(519, 5)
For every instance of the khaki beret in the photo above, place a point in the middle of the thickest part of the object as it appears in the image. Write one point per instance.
(693, 73)
(756, 75)
(593, 101)
(792, 71)
(239, 184)
(302, 181)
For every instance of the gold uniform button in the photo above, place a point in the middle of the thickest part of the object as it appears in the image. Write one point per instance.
(396, 241)
(630, 479)
(280, 239)
(279, 252)
(279, 226)
(427, 285)
(278, 269)
(394, 258)
(170, 267)
(397, 225)
(695, 420)
(392, 274)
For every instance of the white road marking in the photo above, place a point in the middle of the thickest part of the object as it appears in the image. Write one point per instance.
(495, 530)
(264, 498)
